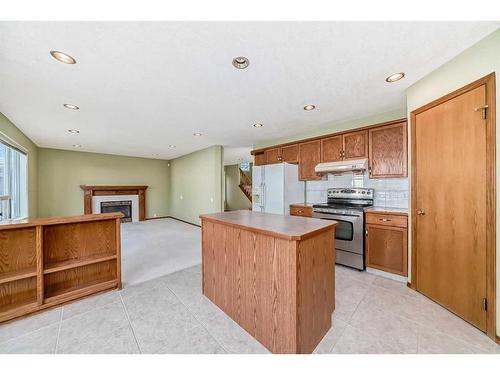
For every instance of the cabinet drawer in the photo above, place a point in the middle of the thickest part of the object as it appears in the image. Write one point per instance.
(301, 211)
(387, 219)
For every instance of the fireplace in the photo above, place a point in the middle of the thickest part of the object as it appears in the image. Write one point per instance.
(124, 207)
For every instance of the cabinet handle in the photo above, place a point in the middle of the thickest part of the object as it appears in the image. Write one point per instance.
(385, 219)
(366, 232)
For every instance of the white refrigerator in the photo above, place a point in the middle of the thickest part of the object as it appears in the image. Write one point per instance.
(275, 187)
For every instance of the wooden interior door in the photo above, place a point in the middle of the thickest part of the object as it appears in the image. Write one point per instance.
(450, 204)
(356, 145)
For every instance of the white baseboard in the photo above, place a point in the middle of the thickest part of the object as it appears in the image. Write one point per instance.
(387, 275)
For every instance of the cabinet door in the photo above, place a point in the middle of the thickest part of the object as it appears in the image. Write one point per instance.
(260, 159)
(387, 151)
(290, 154)
(273, 155)
(356, 145)
(309, 157)
(387, 249)
(331, 149)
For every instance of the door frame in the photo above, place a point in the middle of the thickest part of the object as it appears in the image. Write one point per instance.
(489, 81)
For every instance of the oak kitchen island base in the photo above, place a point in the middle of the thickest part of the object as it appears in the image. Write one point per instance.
(272, 274)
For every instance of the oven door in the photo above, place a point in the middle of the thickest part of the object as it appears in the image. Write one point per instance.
(348, 232)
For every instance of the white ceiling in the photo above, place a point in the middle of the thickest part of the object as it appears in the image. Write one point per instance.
(144, 85)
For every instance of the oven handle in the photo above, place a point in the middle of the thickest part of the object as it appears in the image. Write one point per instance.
(333, 216)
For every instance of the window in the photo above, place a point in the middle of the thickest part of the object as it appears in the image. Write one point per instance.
(245, 167)
(13, 183)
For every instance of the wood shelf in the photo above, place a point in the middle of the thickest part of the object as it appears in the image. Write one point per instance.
(7, 277)
(48, 262)
(13, 310)
(77, 262)
(78, 291)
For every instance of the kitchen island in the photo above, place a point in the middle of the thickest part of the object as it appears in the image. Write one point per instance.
(272, 274)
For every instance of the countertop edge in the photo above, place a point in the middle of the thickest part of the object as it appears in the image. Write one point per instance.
(269, 232)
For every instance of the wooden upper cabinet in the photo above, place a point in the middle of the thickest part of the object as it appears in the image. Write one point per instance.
(309, 157)
(290, 154)
(260, 159)
(388, 151)
(355, 145)
(273, 155)
(331, 149)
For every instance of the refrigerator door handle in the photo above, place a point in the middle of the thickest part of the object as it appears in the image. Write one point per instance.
(263, 197)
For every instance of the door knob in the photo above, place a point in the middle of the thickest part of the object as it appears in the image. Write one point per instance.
(420, 212)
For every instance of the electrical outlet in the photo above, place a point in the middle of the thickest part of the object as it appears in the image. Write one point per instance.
(211, 199)
(154, 215)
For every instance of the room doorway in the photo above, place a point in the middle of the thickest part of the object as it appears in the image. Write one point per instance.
(453, 202)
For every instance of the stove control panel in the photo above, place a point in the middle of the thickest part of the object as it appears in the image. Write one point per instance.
(351, 193)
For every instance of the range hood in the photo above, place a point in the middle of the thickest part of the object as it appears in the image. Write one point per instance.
(342, 166)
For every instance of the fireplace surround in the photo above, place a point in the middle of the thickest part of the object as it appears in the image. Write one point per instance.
(95, 191)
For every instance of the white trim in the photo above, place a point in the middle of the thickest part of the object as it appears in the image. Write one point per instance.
(387, 275)
(97, 199)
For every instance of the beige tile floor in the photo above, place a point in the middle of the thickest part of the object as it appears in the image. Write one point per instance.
(170, 315)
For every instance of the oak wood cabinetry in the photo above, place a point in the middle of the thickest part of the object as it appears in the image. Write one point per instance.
(331, 149)
(301, 210)
(290, 154)
(355, 145)
(273, 155)
(260, 159)
(388, 151)
(387, 242)
(309, 157)
(47, 262)
(385, 146)
(274, 275)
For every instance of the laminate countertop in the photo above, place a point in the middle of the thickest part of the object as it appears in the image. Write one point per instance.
(294, 228)
(387, 210)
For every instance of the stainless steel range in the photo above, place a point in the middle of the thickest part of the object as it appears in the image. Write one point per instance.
(346, 206)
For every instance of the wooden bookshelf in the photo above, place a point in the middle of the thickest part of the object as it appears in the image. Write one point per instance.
(46, 262)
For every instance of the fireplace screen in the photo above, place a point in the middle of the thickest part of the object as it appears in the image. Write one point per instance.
(118, 206)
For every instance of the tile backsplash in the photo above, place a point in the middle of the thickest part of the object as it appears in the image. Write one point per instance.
(389, 192)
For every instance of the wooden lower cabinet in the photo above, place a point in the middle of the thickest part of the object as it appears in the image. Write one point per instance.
(301, 210)
(387, 244)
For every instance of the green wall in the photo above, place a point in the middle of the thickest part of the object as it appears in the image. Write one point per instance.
(338, 127)
(196, 184)
(476, 62)
(62, 172)
(235, 198)
(11, 134)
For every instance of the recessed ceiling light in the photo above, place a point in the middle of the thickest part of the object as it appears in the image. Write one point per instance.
(197, 134)
(394, 77)
(241, 62)
(171, 146)
(71, 106)
(77, 146)
(63, 57)
(258, 125)
(309, 107)
(73, 131)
